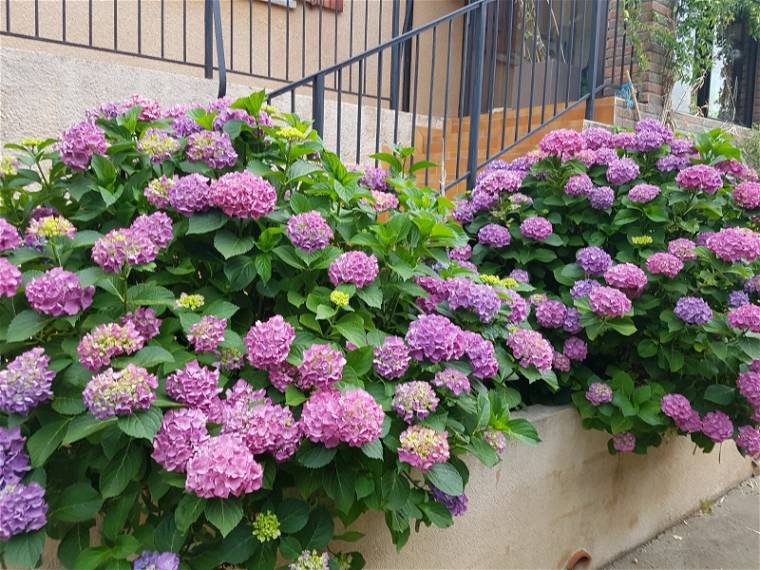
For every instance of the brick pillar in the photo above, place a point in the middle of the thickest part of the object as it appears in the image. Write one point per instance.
(756, 107)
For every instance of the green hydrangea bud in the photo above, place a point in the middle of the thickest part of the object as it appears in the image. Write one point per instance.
(192, 302)
(339, 298)
(266, 526)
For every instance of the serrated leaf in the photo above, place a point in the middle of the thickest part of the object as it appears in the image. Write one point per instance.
(315, 456)
(25, 325)
(143, 425)
(230, 245)
(446, 478)
(293, 514)
(224, 514)
(205, 223)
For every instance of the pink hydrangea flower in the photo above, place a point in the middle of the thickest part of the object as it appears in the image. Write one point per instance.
(599, 393)
(9, 236)
(123, 246)
(435, 338)
(643, 193)
(622, 170)
(452, 379)
(746, 317)
(207, 334)
(734, 244)
(530, 348)
(626, 276)
(609, 302)
(700, 177)
(189, 194)
(361, 418)
(717, 426)
(212, 147)
(481, 354)
(551, 314)
(58, 292)
(494, 235)
(194, 385)
(536, 227)
(10, 278)
(309, 231)
(223, 466)
(112, 393)
(562, 142)
(157, 191)
(748, 384)
(683, 249)
(561, 362)
(144, 320)
(98, 347)
(747, 194)
(391, 358)
(321, 418)
(243, 195)
(182, 430)
(157, 226)
(575, 348)
(578, 185)
(79, 143)
(24, 384)
(423, 447)
(321, 367)
(664, 264)
(269, 342)
(414, 400)
(624, 442)
(748, 440)
(355, 267)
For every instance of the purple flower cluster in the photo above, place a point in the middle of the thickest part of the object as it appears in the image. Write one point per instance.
(321, 367)
(531, 348)
(463, 211)
(683, 249)
(14, 461)
(98, 347)
(593, 260)
(423, 447)
(643, 193)
(494, 235)
(664, 264)
(435, 338)
(700, 177)
(330, 418)
(123, 246)
(144, 320)
(263, 426)
(194, 385)
(189, 194)
(627, 277)
(158, 145)
(182, 430)
(355, 267)
(496, 439)
(243, 195)
(717, 426)
(481, 354)
(22, 509)
(609, 302)
(735, 244)
(578, 185)
(748, 440)
(622, 170)
(309, 231)
(10, 278)
(596, 138)
(599, 393)
(230, 114)
(563, 143)
(269, 342)
(748, 384)
(746, 317)
(518, 307)
(672, 162)
(551, 314)
(460, 253)
(384, 201)
(151, 560)
(58, 292)
(454, 380)
(414, 400)
(651, 135)
(212, 147)
(207, 334)
(624, 442)
(157, 191)
(374, 179)
(391, 358)
(457, 505)
(79, 143)
(9, 236)
(461, 293)
(747, 195)
(678, 408)
(601, 197)
(536, 227)
(112, 393)
(582, 287)
(737, 299)
(693, 310)
(575, 348)
(222, 466)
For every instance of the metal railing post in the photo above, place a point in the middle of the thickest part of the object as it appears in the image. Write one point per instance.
(596, 17)
(478, 46)
(208, 37)
(220, 49)
(318, 104)
(395, 53)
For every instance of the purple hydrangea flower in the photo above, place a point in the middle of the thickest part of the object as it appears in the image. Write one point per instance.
(243, 195)
(593, 260)
(578, 185)
(230, 114)
(58, 292)
(651, 135)
(391, 358)
(112, 393)
(423, 447)
(435, 338)
(681, 146)
(98, 347)
(643, 193)
(575, 348)
(194, 385)
(683, 249)
(223, 466)
(158, 145)
(189, 194)
(79, 143)
(269, 342)
(182, 430)
(551, 314)
(599, 393)
(601, 197)
(676, 407)
(622, 170)
(735, 244)
(605, 155)
(562, 143)
(354, 267)
(10, 278)
(496, 439)
(748, 440)
(375, 178)
(664, 264)
(626, 276)
(14, 461)
(700, 177)
(748, 384)
(321, 418)
(207, 334)
(309, 231)
(693, 310)
(123, 246)
(452, 379)
(157, 191)
(747, 194)
(321, 367)
(157, 226)
(519, 275)
(457, 505)
(746, 317)
(414, 400)
(672, 162)
(463, 211)
(572, 322)
(9, 236)
(582, 288)
(609, 302)
(531, 348)
(481, 355)
(717, 426)
(561, 362)
(361, 418)
(22, 509)
(536, 227)
(624, 442)
(263, 426)
(150, 560)
(494, 235)
(212, 147)
(625, 140)
(383, 201)
(144, 320)
(518, 307)
(596, 137)
(460, 253)
(737, 299)
(461, 293)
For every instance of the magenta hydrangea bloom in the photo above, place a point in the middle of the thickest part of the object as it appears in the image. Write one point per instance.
(626, 276)
(562, 142)
(309, 231)
(158, 145)
(593, 260)
(518, 307)
(26, 382)
(151, 560)
(207, 334)
(622, 170)
(454, 380)
(423, 447)
(23, 509)
(391, 358)
(374, 178)
(601, 197)
(746, 317)
(435, 338)
(530, 348)
(355, 267)
(578, 185)
(609, 302)
(748, 384)
(494, 235)
(212, 147)
(282, 375)
(561, 362)
(113, 393)
(643, 193)
(582, 287)
(269, 342)
(496, 439)
(230, 114)
(748, 440)
(223, 466)
(599, 393)
(460, 253)
(58, 292)
(747, 194)
(382, 201)
(194, 385)
(243, 195)
(265, 427)
(624, 442)
(182, 430)
(497, 181)
(14, 461)
(10, 278)
(321, 418)
(597, 137)
(189, 194)
(361, 418)
(575, 348)
(676, 407)
(157, 191)
(551, 314)
(605, 155)
(536, 227)
(572, 322)
(681, 146)
(683, 249)
(693, 310)
(463, 211)
(123, 246)
(9, 236)
(414, 400)
(481, 355)
(734, 244)
(664, 264)
(157, 226)
(625, 140)
(321, 367)
(98, 347)
(144, 319)
(717, 426)
(700, 177)
(461, 293)
(79, 143)
(651, 134)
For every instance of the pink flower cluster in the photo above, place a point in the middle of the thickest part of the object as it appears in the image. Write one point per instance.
(10, 278)
(415, 399)
(391, 359)
(9, 236)
(609, 302)
(745, 317)
(452, 379)
(79, 143)
(664, 264)
(321, 367)
(700, 177)
(269, 342)
(735, 244)
(536, 228)
(212, 147)
(98, 347)
(627, 277)
(435, 338)
(112, 393)
(309, 231)
(207, 334)
(355, 267)
(330, 418)
(58, 292)
(243, 195)
(222, 466)
(530, 348)
(189, 194)
(747, 194)
(423, 447)
(494, 235)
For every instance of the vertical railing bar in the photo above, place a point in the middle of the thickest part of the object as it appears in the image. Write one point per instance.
(340, 95)
(293, 101)
(559, 53)
(139, 25)
(63, 19)
(380, 24)
(89, 21)
(546, 57)
(479, 48)
(492, 78)
(363, 86)
(407, 56)
(360, 93)
(184, 31)
(430, 102)
(520, 76)
(416, 85)
(318, 105)
(162, 30)
(462, 76)
(208, 29)
(572, 54)
(445, 110)
(533, 65)
(593, 58)
(378, 101)
(37, 18)
(395, 51)
(614, 41)
(250, 37)
(115, 25)
(287, 41)
(510, 25)
(7, 15)
(217, 17)
(580, 53)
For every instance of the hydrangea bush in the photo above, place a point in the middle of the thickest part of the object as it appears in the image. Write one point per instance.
(217, 340)
(648, 243)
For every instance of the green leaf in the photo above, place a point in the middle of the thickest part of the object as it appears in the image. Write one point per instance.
(293, 514)
(351, 327)
(25, 325)
(446, 478)
(120, 471)
(290, 547)
(24, 550)
(221, 309)
(205, 223)
(301, 169)
(318, 531)
(188, 510)
(224, 514)
(350, 536)
(230, 245)
(720, 394)
(75, 541)
(294, 396)
(149, 294)
(315, 456)
(148, 357)
(116, 516)
(522, 430)
(263, 263)
(143, 425)
(623, 326)
(92, 558)
(372, 295)
(46, 440)
(240, 271)
(78, 502)
(373, 449)
(437, 514)
(395, 491)
(286, 253)
(647, 348)
(84, 426)
(104, 170)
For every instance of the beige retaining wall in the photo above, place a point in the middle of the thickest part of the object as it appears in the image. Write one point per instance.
(543, 503)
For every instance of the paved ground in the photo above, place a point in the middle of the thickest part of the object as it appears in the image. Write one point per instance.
(724, 535)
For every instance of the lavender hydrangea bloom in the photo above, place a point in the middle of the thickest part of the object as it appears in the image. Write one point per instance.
(194, 385)
(355, 267)
(562, 142)
(735, 244)
(494, 235)
(182, 430)
(747, 195)
(435, 338)
(583, 287)
(321, 367)
(519, 275)
(269, 342)
(700, 177)
(414, 400)
(593, 260)
(643, 193)
(207, 334)
(423, 447)
(651, 135)
(536, 227)
(112, 393)
(212, 147)
(551, 314)
(496, 439)
(596, 138)
(624, 442)
(123, 246)
(748, 384)
(746, 317)
(189, 194)
(748, 440)
(575, 348)
(457, 505)
(717, 426)
(157, 191)
(263, 426)
(481, 354)
(223, 466)
(693, 310)
(461, 293)
(463, 211)
(98, 347)
(10, 278)
(599, 393)
(375, 178)
(58, 292)
(391, 358)
(578, 185)
(243, 195)
(460, 253)
(664, 264)
(625, 140)
(14, 461)
(530, 348)
(79, 143)
(671, 162)
(737, 299)
(683, 249)
(22, 509)
(518, 307)
(229, 114)
(144, 320)
(150, 560)
(626, 276)
(309, 231)
(321, 418)
(453, 380)
(157, 227)
(601, 197)
(9, 236)
(622, 170)
(676, 407)
(361, 418)
(609, 302)
(572, 322)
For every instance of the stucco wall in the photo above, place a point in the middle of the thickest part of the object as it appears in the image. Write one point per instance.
(543, 503)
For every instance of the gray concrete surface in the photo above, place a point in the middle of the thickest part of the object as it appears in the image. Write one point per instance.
(724, 533)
